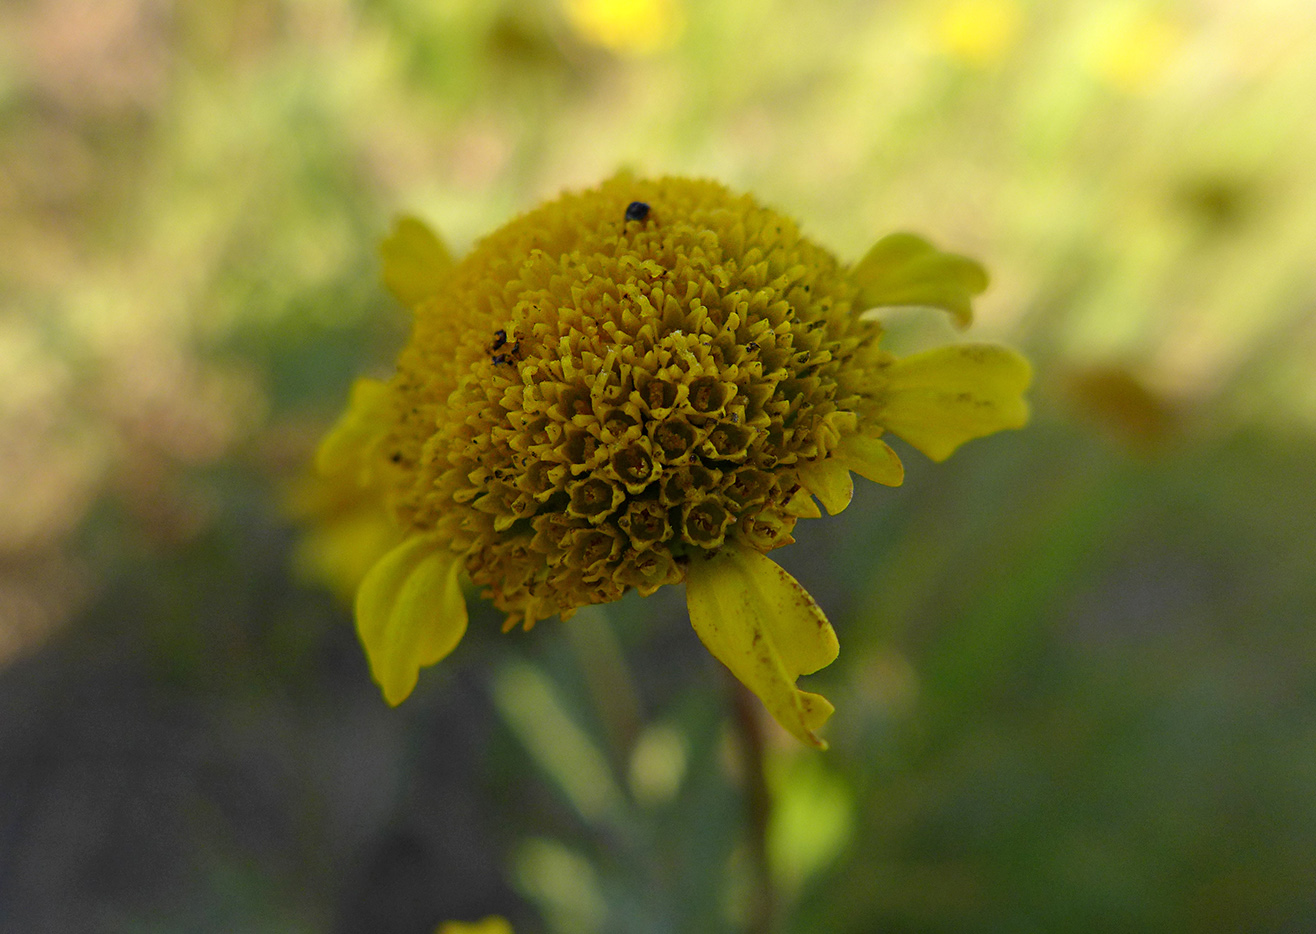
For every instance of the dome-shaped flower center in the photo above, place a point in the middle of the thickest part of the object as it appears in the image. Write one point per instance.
(600, 392)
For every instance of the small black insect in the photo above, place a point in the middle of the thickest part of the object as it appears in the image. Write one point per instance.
(500, 338)
(499, 358)
(637, 211)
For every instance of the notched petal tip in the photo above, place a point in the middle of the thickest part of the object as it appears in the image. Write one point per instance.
(410, 613)
(758, 621)
(872, 459)
(816, 710)
(802, 505)
(905, 270)
(830, 481)
(940, 399)
(416, 261)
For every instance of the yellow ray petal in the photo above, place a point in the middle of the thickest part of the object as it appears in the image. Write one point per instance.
(410, 612)
(416, 262)
(349, 444)
(939, 399)
(829, 480)
(903, 269)
(871, 458)
(758, 621)
(346, 541)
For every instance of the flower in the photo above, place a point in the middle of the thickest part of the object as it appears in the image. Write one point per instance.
(643, 384)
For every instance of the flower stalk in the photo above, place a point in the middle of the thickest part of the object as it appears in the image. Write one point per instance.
(748, 726)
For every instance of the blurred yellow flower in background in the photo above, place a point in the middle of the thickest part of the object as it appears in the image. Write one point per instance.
(978, 31)
(1136, 49)
(490, 925)
(628, 27)
(643, 384)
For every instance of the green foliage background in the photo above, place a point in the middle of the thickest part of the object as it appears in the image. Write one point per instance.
(1077, 688)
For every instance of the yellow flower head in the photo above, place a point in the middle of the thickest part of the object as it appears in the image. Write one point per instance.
(643, 384)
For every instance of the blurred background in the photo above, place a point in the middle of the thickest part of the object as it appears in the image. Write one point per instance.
(1077, 688)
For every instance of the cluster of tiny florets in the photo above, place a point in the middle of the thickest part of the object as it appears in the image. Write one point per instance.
(619, 380)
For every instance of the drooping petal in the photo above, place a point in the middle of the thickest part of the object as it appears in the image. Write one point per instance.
(410, 612)
(939, 399)
(347, 496)
(758, 621)
(829, 480)
(416, 262)
(903, 269)
(872, 459)
(349, 446)
(349, 538)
